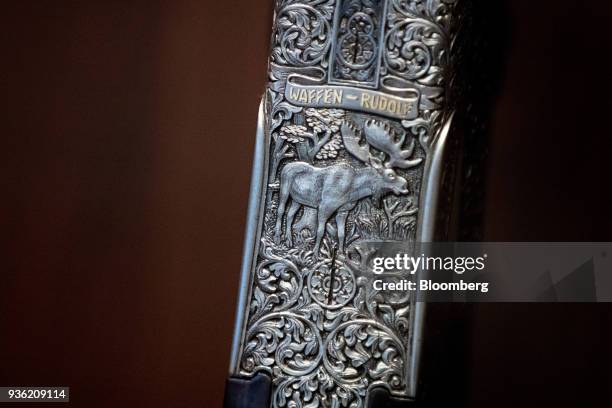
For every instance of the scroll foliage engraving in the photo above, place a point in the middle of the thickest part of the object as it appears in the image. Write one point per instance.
(302, 32)
(341, 181)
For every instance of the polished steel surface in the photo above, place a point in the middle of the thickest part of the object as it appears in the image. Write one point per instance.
(352, 136)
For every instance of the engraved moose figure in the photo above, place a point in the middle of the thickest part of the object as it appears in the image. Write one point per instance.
(338, 188)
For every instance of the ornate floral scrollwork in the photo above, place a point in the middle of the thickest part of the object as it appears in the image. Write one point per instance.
(332, 285)
(283, 343)
(415, 50)
(302, 33)
(410, 59)
(438, 11)
(362, 352)
(278, 286)
(318, 389)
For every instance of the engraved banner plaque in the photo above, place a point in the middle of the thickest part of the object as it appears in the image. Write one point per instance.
(352, 134)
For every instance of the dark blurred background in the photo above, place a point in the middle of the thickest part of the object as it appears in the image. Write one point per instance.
(127, 135)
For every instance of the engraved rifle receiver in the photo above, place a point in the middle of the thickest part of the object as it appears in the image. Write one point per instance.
(353, 150)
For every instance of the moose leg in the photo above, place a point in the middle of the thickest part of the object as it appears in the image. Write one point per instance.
(295, 206)
(308, 221)
(323, 216)
(282, 202)
(341, 224)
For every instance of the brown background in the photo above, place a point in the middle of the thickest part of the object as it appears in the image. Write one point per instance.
(127, 136)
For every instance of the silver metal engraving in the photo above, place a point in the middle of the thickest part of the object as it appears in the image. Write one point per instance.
(352, 129)
(357, 43)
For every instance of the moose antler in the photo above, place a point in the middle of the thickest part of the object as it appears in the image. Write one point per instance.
(351, 138)
(382, 137)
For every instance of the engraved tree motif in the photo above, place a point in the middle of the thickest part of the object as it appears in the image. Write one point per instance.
(394, 212)
(321, 133)
(280, 111)
(320, 140)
